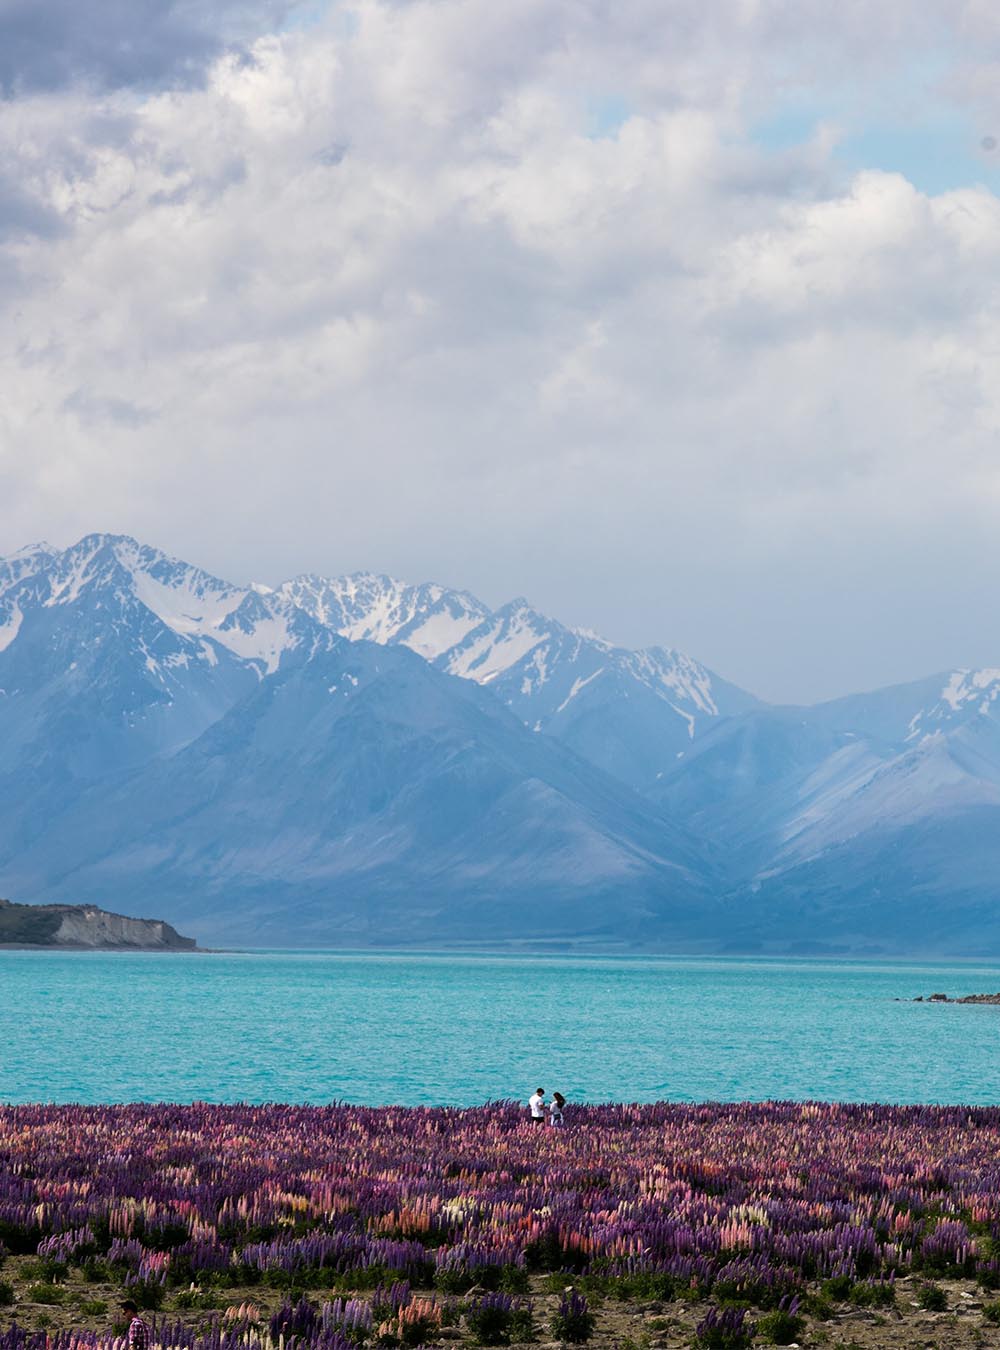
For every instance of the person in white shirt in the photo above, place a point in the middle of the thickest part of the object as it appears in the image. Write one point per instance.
(556, 1108)
(537, 1104)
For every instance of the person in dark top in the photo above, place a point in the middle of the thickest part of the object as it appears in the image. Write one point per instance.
(138, 1330)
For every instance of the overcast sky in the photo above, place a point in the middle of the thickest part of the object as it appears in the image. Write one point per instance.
(682, 320)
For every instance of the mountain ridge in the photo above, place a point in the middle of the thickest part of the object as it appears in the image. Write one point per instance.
(163, 728)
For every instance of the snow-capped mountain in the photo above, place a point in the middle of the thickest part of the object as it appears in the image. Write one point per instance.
(168, 740)
(360, 795)
(362, 760)
(889, 800)
(428, 619)
(197, 607)
(632, 713)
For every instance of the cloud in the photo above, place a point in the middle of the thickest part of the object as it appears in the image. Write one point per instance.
(384, 292)
(49, 44)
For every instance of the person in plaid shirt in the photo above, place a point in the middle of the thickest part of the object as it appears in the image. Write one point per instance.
(138, 1331)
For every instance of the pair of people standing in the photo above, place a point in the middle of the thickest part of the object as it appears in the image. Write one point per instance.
(536, 1104)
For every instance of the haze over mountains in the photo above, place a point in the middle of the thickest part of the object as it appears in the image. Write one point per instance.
(361, 761)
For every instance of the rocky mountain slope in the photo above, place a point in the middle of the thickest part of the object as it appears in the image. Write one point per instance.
(629, 712)
(262, 777)
(357, 759)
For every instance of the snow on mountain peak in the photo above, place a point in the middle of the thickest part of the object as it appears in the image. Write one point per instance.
(195, 605)
(965, 692)
(428, 618)
(498, 643)
(619, 707)
(24, 563)
(964, 686)
(678, 675)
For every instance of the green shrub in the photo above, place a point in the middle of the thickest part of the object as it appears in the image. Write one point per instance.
(6, 1294)
(20, 1240)
(932, 1298)
(455, 1281)
(46, 1270)
(147, 1293)
(873, 1294)
(497, 1319)
(95, 1272)
(489, 1320)
(724, 1329)
(203, 1299)
(991, 1312)
(93, 1307)
(522, 1327)
(646, 1284)
(780, 1327)
(44, 1293)
(838, 1288)
(169, 1234)
(514, 1280)
(573, 1322)
(818, 1306)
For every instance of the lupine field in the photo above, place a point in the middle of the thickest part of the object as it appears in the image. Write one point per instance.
(331, 1228)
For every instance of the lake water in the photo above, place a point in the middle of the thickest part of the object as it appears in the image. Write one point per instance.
(428, 1028)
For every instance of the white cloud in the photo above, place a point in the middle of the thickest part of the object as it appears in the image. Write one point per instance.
(387, 294)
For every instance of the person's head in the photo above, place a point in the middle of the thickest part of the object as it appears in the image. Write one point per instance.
(127, 1306)
(540, 1092)
(559, 1099)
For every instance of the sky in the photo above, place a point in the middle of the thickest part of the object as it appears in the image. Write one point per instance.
(681, 320)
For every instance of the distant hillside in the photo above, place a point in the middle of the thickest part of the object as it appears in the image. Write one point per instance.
(85, 926)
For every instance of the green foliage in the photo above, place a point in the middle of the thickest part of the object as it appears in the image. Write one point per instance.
(147, 1293)
(647, 1285)
(837, 1289)
(932, 1298)
(166, 1236)
(573, 1322)
(991, 1312)
(20, 1240)
(873, 1294)
(95, 1272)
(522, 1327)
(489, 1324)
(457, 1281)
(779, 1327)
(6, 1294)
(514, 1280)
(45, 1269)
(202, 1299)
(818, 1306)
(729, 1332)
(45, 1293)
(32, 924)
(93, 1307)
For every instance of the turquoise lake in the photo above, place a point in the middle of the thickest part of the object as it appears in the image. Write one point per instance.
(462, 1029)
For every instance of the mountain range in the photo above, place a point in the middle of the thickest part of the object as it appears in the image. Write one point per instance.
(356, 760)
